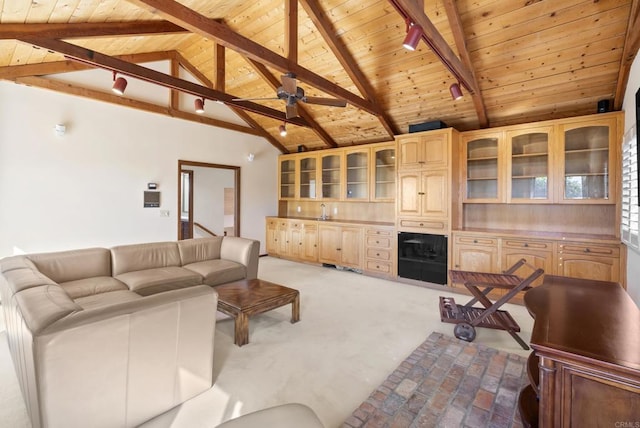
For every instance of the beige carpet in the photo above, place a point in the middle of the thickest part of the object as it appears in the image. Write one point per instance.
(354, 331)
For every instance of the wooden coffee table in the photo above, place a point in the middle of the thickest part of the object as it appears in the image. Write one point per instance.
(243, 298)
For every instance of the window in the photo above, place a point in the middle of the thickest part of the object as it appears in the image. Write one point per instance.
(630, 209)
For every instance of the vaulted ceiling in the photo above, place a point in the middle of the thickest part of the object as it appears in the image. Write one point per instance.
(517, 61)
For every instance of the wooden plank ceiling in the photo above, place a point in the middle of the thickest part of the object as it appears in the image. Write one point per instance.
(518, 61)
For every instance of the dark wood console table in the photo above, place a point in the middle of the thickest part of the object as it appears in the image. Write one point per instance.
(586, 340)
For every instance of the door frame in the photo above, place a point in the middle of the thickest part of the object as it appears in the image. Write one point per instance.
(182, 164)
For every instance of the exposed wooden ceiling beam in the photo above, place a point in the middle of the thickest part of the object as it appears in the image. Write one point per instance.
(67, 88)
(12, 71)
(174, 96)
(631, 46)
(319, 19)
(98, 29)
(458, 35)
(414, 12)
(262, 70)
(110, 63)
(291, 30)
(210, 29)
(219, 69)
(242, 114)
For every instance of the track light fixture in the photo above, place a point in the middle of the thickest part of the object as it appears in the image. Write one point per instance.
(283, 130)
(456, 92)
(199, 105)
(414, 34)
(119, 84)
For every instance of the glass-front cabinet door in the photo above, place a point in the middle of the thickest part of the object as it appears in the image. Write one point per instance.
(357, 174)
(588, 162)
(330, 175)
(287, 176)
(529, 166)
(481, 152)
(383, 173)
(308, 176)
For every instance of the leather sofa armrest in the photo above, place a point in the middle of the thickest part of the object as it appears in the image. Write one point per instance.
(242, 250)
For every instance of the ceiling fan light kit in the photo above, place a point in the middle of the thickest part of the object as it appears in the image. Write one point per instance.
(283, 130)
(291, 93)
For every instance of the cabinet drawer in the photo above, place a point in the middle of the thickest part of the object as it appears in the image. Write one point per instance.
(525, 243)
(376, 253)
(375, 241)
(596, 250)
(377, 266)
(424, 224)
(380, 232)
(476, 240)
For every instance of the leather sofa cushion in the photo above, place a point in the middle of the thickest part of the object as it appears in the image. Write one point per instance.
(151, 281)
(90, 286)
(109, 298)
(137, 257)
(199, 249)
(64, 266)
(219, 271)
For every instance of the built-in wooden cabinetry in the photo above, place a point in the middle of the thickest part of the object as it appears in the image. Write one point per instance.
(425, 181)
(341, 245)
(379, 250)
(296, 239)
(548, 192)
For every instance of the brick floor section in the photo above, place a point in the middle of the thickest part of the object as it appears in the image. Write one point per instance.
(447, 382)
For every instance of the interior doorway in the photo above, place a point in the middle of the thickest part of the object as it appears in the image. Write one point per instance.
(208, 199)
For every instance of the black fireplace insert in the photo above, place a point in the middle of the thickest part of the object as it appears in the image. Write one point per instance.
(423, 257)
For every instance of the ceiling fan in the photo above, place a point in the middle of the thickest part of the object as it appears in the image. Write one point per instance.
(292, 93)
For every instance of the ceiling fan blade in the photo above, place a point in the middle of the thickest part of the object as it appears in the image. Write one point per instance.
(289, 83)
(292, 111)
(333, 102)
(255, 99)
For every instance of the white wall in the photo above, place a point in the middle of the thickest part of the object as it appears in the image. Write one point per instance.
(86, 188)
(629, 107)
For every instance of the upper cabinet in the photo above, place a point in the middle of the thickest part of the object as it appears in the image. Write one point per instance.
(425, 150)
(564, 161)
(364, 173)
(287, 177)
(383, 172)
(357, 173)
(587, 162)
(483, 167)
(529, 165)
(308, 164)
(331, 175)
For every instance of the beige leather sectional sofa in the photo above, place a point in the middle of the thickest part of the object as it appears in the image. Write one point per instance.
(113, 337)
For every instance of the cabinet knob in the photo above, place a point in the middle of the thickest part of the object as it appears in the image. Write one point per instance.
(586, 250)
(457, 266)
(377, 242)
(420, 193)
(421, 224)
(338, 249)
(525, 244)
(378, 254)
(475, 241)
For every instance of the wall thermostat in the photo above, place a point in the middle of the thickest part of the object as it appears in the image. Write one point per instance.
(152, 186)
